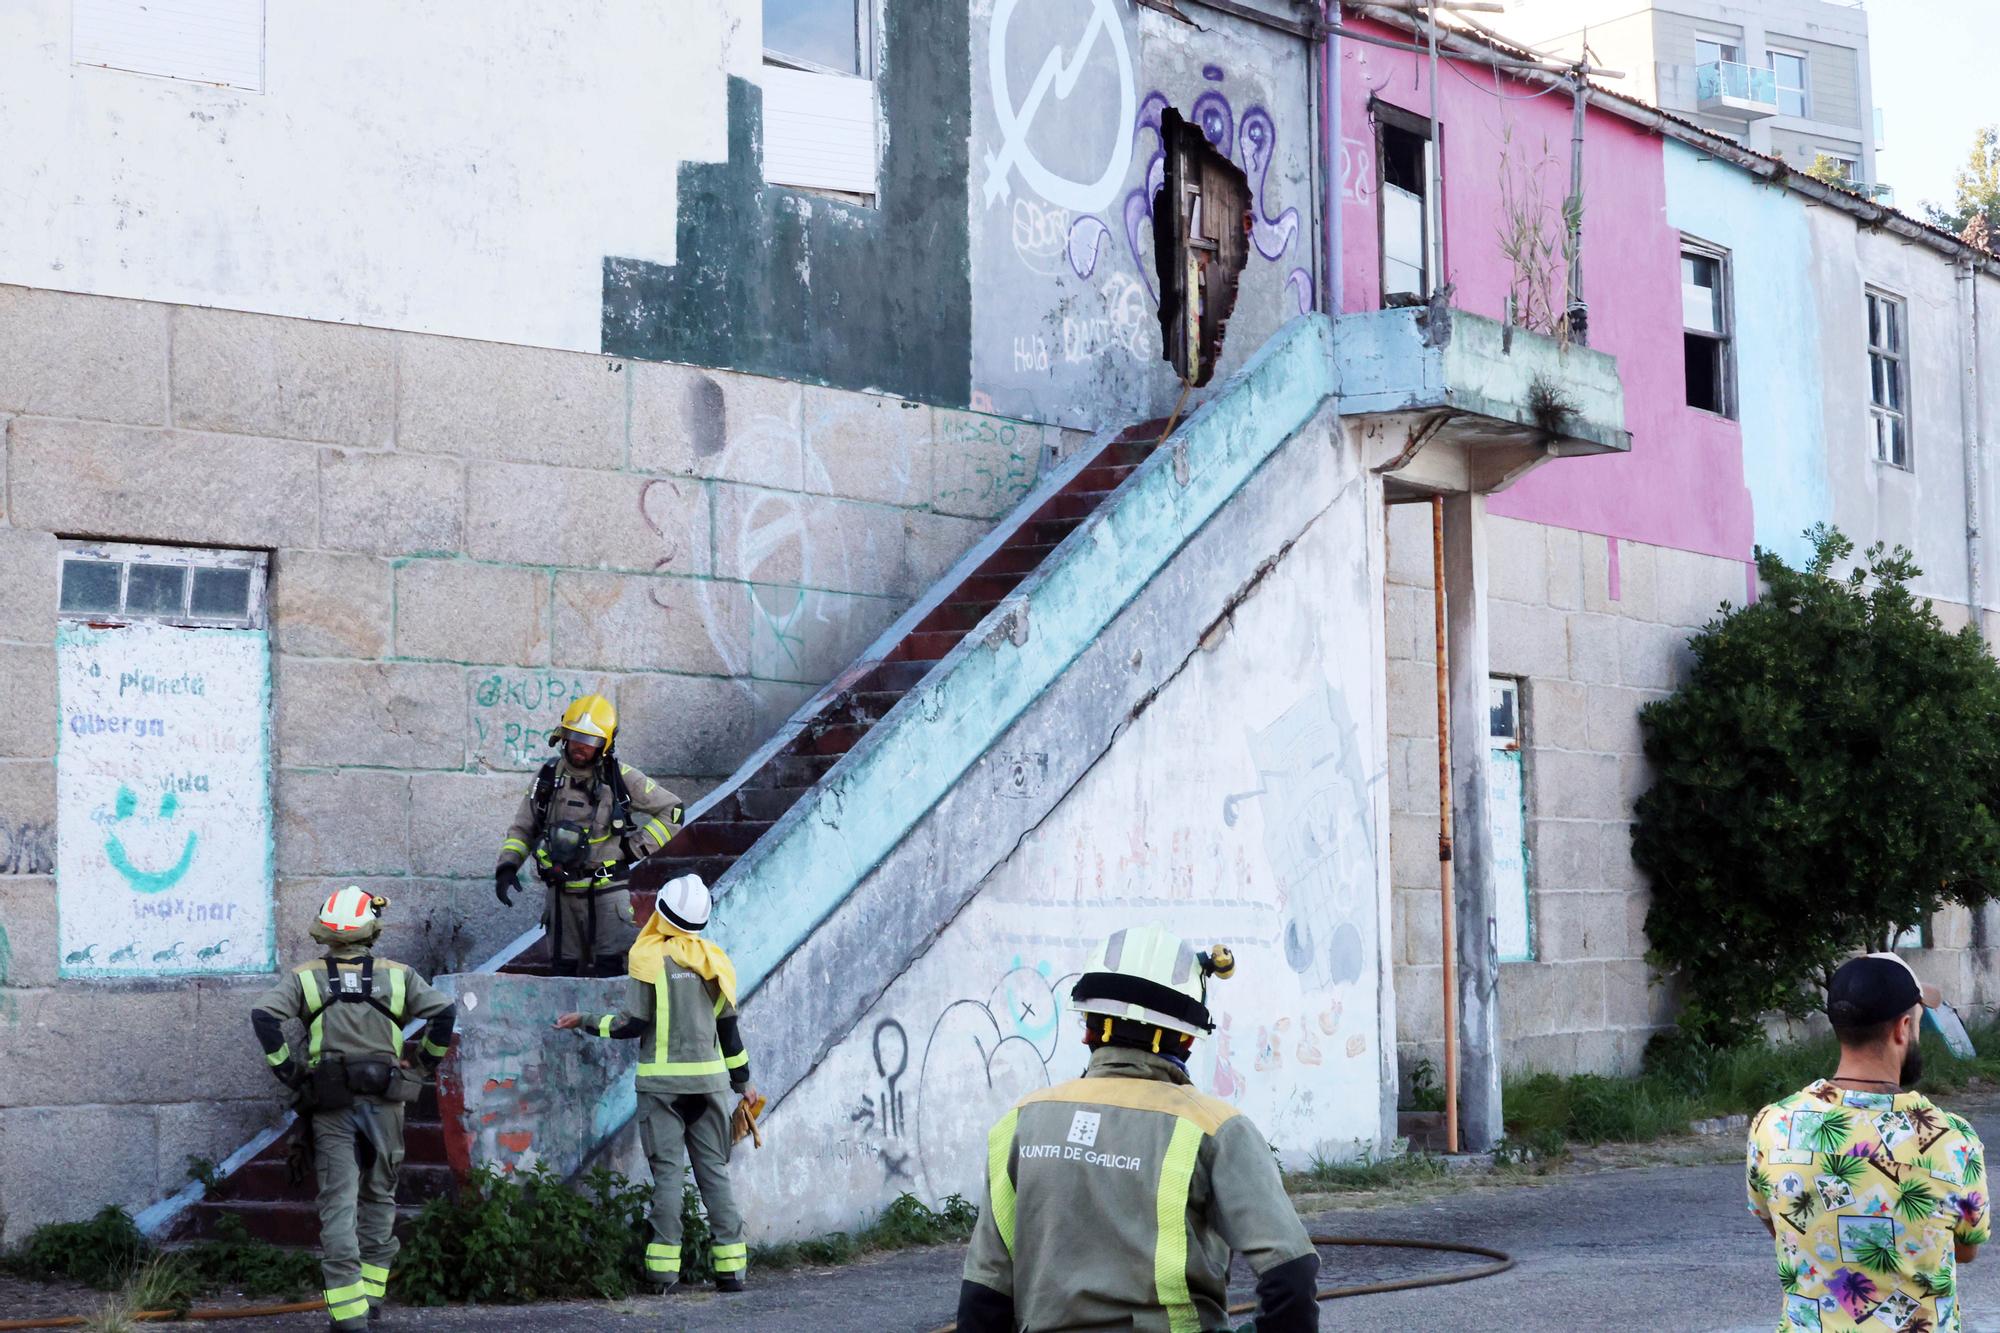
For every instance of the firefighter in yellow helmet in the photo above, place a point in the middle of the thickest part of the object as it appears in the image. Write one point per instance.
(587, 818)
(1115, 1200)
(351, 1088)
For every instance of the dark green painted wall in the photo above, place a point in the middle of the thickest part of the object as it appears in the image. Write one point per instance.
(778, 282)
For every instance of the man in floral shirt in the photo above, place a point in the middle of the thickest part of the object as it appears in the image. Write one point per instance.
(1873, 1194)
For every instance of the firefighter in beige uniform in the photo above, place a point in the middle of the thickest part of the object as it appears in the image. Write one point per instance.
(353, 1085)
(681, 1004)
(1115, 1200)
(588, 817)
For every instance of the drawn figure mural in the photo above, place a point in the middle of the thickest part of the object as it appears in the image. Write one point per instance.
(1318, 834)
(1067, 160)
(163, 805)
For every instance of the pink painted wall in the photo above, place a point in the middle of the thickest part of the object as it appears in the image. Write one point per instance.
(1682, 485)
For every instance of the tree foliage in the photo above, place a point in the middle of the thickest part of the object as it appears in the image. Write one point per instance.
(1976, 194)
(1829, 171)
(1827, 774)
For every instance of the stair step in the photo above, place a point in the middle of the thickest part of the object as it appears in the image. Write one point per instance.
(1052, 531)
(897, 676)
(786, 769)
(286, 1222)
(1144, 436)
(710, 868)
(1017, 561)
(769, 803)
(267, 1181)
(956, 615)
(1100, 477)
(930, 647)
(991, 588)
(834, 740)
(709, 836)
(1080, 505)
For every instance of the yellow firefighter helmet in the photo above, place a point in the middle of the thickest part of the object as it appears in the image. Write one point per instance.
(591, 720)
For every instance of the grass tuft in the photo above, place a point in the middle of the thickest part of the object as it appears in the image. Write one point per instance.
(1683, 1084)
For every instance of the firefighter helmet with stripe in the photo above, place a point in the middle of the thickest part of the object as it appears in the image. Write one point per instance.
(1147, 975)
(349, 916)
(685, 903)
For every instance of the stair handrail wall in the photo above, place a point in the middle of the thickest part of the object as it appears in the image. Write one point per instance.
(160, 1218)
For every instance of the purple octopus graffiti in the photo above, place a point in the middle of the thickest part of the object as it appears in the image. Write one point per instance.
(1251, 142)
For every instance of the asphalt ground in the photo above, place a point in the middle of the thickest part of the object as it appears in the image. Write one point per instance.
(1662, 1248)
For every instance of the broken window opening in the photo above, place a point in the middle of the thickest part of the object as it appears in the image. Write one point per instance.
(1409, 250)
(1706, 333)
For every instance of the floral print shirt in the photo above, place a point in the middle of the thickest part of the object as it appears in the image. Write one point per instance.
(1867, 1193)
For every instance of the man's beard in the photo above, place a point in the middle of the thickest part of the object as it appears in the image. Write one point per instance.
(1913, 1066)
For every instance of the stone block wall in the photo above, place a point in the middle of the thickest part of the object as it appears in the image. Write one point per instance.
(462, 537)
(1590, 642)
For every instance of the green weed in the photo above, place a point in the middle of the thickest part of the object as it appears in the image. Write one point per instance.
(102, 1253)
(906, 1223)
(1370, 1173)
(1686, 1081)
(510, 1239)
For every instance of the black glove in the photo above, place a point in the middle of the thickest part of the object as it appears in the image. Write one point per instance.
(292, 1074)
(505, 880)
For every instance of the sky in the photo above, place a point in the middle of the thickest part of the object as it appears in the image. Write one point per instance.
(1936, 82)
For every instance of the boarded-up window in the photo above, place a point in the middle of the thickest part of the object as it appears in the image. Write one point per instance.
(203, 41)
(163, 781)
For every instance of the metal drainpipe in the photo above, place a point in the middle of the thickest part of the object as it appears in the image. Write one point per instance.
(1448, 924)
(1336, 267)
(1968, 408)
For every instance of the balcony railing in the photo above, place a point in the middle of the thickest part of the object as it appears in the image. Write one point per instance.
(1724, 87)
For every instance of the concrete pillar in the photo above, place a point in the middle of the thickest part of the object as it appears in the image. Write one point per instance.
(1472, 858)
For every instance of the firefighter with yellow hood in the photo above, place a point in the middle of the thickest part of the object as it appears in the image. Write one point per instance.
(588, 817)
(680, 1002)
(1115, 1200)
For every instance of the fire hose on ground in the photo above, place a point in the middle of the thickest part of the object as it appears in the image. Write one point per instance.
(1502, 1261)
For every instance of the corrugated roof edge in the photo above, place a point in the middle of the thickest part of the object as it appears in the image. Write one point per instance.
(1457, 41)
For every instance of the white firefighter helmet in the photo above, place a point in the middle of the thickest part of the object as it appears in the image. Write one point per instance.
(350, 916)
(684, 902)
(1147, 975)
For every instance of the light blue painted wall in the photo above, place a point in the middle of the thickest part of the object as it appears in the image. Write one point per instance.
(1778, 367)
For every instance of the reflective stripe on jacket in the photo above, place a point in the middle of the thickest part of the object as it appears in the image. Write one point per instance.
(1116, 1199)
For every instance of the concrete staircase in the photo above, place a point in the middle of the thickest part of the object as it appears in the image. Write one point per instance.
(732, 819)
(861, 829)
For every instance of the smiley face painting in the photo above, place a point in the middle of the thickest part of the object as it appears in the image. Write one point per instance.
(164, 849)
(145, 880)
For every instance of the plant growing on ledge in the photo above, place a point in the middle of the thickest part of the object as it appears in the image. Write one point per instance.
(1828, 773)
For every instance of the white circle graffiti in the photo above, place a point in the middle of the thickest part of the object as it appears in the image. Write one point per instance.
(1060, 76)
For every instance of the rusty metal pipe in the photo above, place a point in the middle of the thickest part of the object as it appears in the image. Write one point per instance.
(1448, 927)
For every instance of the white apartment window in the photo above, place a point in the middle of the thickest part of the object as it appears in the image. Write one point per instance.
(1846, 164)
(1889, 378)
(1409, 251)
(1717, 50)
(830, 36)
(819, 95)
(202, 41)
(1788, 69)
(111, 583)
(1706, 333)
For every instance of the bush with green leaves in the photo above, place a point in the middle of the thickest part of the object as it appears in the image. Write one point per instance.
(1828, 774)
(506, 1239)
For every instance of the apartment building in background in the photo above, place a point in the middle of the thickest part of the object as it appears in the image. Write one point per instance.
(1785, 77)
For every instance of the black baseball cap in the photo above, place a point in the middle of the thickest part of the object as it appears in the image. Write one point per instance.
(1875, 988)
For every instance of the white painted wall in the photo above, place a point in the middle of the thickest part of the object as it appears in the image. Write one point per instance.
(1922, 508)
(458, 167)
(1247, 805)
